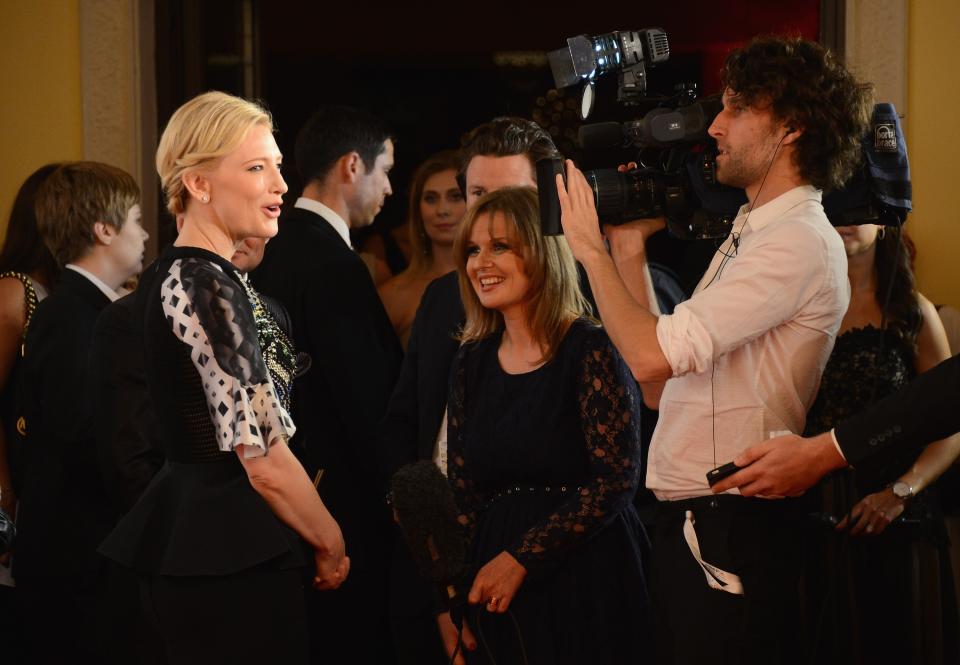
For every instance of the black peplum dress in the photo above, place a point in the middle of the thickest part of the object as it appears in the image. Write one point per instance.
(886, 597)
(544, 465)
(220, 574)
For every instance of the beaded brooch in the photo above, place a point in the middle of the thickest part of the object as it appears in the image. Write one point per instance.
(277, 349)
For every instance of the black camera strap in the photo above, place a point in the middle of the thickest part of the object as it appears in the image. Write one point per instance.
(729, 254)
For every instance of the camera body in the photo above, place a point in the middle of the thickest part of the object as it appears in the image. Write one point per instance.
(879, 192)
(675, 176)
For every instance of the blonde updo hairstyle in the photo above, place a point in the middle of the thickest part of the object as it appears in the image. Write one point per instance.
(201, 131)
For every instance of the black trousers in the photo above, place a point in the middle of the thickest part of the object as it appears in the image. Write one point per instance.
(756, 539)
(255, 616)
(90, 618)
(62, 617)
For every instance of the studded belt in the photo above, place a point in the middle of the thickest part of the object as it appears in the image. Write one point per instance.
(536, 489)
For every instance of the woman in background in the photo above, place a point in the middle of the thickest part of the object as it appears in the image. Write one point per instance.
(436, 207)
(27, 273)
(892, 596)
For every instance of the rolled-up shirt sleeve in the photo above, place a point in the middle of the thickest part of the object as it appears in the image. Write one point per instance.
(685, 341)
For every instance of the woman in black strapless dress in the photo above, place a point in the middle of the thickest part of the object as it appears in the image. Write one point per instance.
(883, 593)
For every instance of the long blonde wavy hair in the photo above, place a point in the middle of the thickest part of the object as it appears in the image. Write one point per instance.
(554, 300)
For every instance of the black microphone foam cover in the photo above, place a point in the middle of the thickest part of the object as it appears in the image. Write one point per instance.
(427, 514)
(601, 135)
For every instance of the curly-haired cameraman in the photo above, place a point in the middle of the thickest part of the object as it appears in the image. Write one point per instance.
(741, 359)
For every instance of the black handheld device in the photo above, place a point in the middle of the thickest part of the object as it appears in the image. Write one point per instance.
(714, 476)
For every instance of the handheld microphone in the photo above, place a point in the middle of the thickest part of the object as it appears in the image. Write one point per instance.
(424, 507)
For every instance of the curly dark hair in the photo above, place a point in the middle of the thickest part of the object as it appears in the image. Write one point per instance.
(503, 137)
(806, 86)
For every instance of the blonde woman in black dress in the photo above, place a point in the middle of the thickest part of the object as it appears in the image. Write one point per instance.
(216, 537)
(543, 453)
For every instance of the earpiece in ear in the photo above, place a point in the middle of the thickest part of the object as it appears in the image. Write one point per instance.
(790, 130)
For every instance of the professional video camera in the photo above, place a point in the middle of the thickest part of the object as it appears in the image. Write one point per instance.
(879, 192)
(676, 172)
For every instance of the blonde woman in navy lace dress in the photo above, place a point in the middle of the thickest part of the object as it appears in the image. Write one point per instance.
(543, 453)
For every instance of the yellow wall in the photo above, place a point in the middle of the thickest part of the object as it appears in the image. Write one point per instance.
(40, 103)
(933, 139)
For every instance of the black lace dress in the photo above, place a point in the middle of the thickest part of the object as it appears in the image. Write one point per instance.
(886, 598)
(544, 465)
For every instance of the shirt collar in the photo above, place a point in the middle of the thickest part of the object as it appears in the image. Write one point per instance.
(97, 282)
(335, 220)
(772, 210)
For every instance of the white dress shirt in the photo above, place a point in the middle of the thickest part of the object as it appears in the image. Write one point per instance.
(748, 348)
(97, 282)
(335, 220)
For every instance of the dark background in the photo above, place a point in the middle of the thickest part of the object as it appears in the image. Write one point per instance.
(432, 71)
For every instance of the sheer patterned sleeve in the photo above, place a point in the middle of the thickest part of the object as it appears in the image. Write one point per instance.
(609, 404)
(209, 312)
(468, 500)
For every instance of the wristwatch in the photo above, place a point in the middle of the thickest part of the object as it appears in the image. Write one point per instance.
(902, 490)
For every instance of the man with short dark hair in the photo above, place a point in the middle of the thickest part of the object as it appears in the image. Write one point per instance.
(741, 359)
(344, 156)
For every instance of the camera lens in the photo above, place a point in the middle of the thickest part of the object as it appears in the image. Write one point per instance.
(622, 196)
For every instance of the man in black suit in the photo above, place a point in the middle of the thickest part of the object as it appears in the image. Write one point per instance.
(344, 157)
(501, 153)
(125, 425)
(923, 412)
(89, 216)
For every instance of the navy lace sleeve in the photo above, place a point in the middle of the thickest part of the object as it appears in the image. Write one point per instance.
(609, 404)
(210, 312)
(468, 500)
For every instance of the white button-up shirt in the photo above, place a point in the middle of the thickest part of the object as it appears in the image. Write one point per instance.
(336, 221)
(97, 282)
(748, 348)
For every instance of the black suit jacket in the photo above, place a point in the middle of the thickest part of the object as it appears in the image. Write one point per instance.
(64, 511)
(926, 410)
(128, 441)
(418, 402)
(338, 319)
